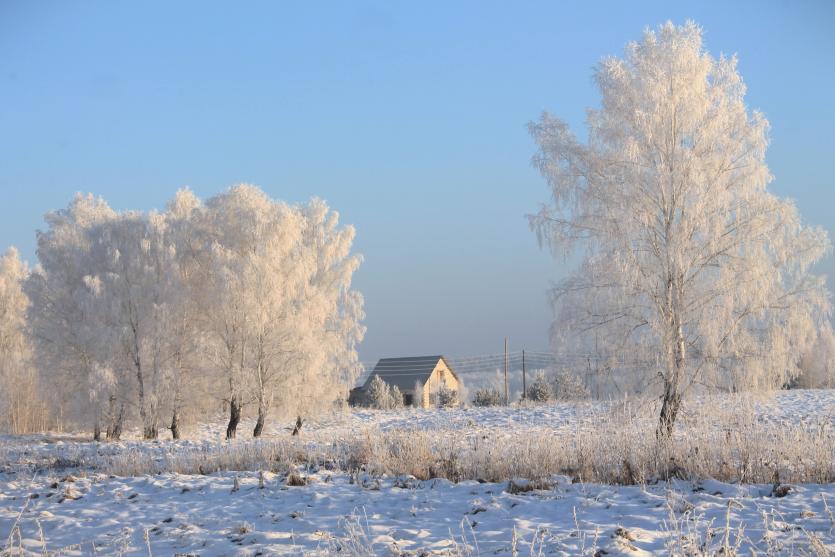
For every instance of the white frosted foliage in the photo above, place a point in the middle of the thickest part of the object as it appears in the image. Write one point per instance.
(692, 272)
(243, 300)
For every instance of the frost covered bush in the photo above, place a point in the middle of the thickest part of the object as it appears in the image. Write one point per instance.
(446, 397)
(487, 397)
(395, 398)
(540, 389)
(567, 386)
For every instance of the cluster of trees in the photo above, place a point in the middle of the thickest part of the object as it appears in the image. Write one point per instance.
(382, 396)
(241, 300)
(693, 273)
(554, 385)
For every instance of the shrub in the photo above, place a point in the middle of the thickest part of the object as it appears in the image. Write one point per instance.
(567, 386)
(395, 398)
(487, 397)
(540, 389)
(446, 397)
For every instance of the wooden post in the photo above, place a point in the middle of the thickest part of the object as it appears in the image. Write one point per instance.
(506, 397)
(524, 378)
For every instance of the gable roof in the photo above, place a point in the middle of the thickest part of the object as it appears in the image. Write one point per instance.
(404, 372)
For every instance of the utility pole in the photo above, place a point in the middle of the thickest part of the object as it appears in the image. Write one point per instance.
(506, 397)
(524, 379)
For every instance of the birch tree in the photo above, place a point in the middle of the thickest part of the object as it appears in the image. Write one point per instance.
(692, 272)
(281, 317)
(21, 409)
(71, 340)
(273, 276)
(185, 331)
(233, 223)
(136, 266)
(324, 362)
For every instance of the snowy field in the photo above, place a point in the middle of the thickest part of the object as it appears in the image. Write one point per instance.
(58, 494)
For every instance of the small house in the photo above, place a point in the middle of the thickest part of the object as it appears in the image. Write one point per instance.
(418, 379)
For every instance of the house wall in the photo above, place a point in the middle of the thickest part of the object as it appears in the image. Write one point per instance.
(441, 375)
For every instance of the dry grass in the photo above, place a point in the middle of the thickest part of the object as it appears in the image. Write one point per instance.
(728, 443)
(619, 448)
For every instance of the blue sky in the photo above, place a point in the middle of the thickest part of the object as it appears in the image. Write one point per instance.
(408, 118)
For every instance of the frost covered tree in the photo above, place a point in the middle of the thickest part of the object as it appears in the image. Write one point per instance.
(184, 331)
(107, 312)
(316, 358)
(243, 299)
(282, 323)
(71, 338)
(693, 273)
(383, 396)
(396, 397)
(540, 389)
(21, 409)
(818, 364)
(378, 394)
(239, 224)
(134, 266)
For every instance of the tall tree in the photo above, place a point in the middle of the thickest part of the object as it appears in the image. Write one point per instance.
(20, 405)
(693, 272)
(283, 323)
(324, 362)
(72, 342)
(135, 264)
(184, 331)
(233, 224)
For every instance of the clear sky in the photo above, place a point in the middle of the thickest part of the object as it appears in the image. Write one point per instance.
(408, 118)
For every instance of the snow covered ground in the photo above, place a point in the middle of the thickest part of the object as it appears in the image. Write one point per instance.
(214, 515)
(207, 515)
(52, 499)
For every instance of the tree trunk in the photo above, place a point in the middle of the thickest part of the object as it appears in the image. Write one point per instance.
(149, 426)
(116, 417)
(175, 424)
(234, 417)
(150, 423)
(669, 412)
(259, 424)
(114, 431)
(97, 431)
(150, 431)
(676, 362)
(298, 428)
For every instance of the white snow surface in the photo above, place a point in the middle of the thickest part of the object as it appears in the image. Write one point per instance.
(78, 512)
(204, 515)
